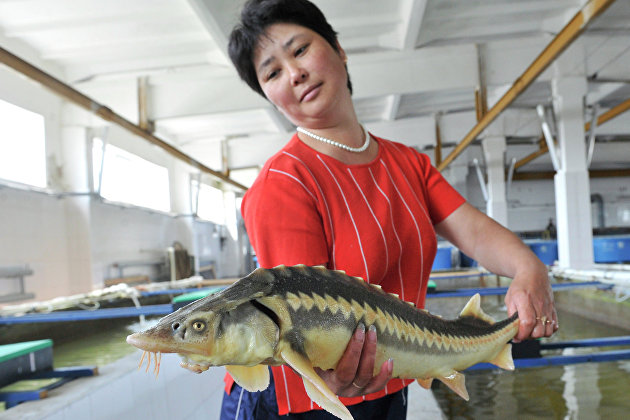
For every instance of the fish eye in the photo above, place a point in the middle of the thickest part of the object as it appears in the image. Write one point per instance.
(199, 326)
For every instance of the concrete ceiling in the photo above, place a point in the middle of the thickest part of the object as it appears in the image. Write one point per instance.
(409, 60)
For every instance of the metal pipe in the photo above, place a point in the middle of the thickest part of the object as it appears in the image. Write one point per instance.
(605, 117)
(551, 146)
(561, 41)
(73, 95)
(591, 137)
(482, 181)
(599, 200)
(510, 177)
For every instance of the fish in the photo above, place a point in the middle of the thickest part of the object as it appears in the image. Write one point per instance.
(304, 317)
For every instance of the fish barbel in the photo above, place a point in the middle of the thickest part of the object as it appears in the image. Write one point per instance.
(305, 316)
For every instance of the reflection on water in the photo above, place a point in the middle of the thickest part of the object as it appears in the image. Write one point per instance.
(582, 391)
(98, 349)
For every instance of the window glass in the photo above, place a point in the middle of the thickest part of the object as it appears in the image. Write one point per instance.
(211, 204)
(22, 145)
(128, 178)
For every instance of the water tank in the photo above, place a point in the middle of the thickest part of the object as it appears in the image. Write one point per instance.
(443, 258)
(546, 250)
(611, 249)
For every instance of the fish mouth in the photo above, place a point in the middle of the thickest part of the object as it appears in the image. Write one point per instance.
(196, 366)
(309, 90)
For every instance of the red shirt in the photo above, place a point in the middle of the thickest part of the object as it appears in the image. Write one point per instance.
(372, 220)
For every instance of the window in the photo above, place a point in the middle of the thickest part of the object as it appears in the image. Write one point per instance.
(127, 178)
(210, 204)
(22, 145)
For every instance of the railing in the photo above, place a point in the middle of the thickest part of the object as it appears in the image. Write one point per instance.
(16, 274)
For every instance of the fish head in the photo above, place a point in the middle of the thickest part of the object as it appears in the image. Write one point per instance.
(210, 333)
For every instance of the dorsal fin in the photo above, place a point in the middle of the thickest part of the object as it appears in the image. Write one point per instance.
(473, 309)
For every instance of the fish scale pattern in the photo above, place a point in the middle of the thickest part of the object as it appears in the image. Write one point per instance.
(393, 325)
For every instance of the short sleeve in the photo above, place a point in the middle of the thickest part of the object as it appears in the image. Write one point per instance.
(283, 223)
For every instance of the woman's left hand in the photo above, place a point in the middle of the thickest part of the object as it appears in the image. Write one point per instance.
(531, 296)
(501, 252)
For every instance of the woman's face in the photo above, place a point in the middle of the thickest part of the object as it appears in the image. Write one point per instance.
(301, 74)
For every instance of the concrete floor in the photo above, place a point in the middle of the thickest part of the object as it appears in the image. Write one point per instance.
(123, 392)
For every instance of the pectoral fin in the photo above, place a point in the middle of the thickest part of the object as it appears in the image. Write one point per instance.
(252, 378)
(315, 386)
(504, 358)
(425, 382)
(456, 382)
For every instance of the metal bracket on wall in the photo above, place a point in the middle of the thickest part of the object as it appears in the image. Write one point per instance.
(591, 137)
(551, 145)
(481, 178)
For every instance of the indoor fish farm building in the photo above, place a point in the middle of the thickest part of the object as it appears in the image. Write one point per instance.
(127, 142)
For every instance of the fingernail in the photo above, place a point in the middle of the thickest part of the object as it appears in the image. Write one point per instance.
(360, 331)
(390, 365)
(372, 335)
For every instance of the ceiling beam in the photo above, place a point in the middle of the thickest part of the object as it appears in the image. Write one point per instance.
(404, 39)
(411, 15)
(561, 41)
(217, 22)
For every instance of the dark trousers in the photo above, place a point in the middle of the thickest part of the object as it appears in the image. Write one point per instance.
(244, 405)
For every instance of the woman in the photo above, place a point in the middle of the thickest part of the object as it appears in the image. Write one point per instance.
(338, 196)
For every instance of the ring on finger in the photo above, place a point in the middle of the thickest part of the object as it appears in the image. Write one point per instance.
(356, 386)
(543, 319)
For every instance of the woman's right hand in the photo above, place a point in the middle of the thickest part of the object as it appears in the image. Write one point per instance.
(353, 376)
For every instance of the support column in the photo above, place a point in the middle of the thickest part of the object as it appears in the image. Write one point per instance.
(573, 203)
(78, 208)
(494, 153)
(179, 181)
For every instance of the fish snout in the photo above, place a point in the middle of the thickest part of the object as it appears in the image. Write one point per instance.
(135, 340)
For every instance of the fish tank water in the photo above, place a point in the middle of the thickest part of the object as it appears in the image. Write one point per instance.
(580, 391)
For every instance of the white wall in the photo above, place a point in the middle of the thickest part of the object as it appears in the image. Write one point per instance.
(39, 229)
(33, 231)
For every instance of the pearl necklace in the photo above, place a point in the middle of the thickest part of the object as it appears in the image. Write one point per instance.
(337, 144)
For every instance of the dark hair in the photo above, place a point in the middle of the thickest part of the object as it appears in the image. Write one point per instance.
(257, 16)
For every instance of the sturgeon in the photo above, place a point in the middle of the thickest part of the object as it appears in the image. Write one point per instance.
(305, 316)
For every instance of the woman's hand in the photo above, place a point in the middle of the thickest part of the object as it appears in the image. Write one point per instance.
(501, 252)
(354, 373)
(530, 295)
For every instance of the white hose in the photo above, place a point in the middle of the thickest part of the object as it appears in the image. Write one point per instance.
(616, 274)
